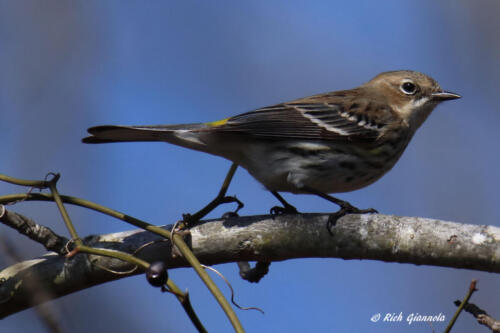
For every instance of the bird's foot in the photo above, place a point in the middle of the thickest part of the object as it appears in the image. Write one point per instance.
(190, 219)
(287, 209)
(228, 215)
(230, 199)
(350, 209)
(345, 209)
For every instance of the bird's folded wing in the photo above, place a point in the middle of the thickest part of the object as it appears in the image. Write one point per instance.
(312, 121)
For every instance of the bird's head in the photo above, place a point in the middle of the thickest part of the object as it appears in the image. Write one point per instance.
(411, 94)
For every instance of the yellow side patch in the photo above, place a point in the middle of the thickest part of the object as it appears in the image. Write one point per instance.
(217, 122)
(377, 150)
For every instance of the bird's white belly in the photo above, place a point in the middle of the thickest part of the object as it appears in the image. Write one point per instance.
(321, 167)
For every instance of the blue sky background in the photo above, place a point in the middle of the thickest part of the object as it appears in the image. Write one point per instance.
(66, 66)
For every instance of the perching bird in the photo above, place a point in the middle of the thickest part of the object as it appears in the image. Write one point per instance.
(334, 142)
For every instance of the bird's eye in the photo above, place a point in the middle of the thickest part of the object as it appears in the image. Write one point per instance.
(409, 88)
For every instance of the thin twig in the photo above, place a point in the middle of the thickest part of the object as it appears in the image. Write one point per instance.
(482, 316)
(185, 301)
(232, 290)
(24, 182)
(193, 261)
(62, 209)
(177, 240)
(182, 297)
(472, 289)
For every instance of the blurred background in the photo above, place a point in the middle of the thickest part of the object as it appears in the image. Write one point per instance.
(69, 65)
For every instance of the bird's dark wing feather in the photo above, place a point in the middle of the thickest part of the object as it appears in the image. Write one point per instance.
(308, 119)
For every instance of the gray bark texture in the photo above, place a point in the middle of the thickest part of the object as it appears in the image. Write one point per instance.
(414, 240)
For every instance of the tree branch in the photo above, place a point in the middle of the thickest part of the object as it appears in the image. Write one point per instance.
(482, 317)
(263, 238)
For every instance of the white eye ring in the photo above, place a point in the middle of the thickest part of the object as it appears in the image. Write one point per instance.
(408, 87)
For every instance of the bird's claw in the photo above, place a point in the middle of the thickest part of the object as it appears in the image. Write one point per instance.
(189, 219)
(234, 213)
(345, 209)
(230, 199)
(228, 215)
(278, 210)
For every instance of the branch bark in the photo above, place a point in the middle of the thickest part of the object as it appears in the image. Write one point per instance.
(414, 240)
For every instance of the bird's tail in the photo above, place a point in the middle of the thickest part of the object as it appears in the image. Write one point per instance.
(183, 135)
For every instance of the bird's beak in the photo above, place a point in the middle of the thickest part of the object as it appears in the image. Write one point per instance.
(444, 96)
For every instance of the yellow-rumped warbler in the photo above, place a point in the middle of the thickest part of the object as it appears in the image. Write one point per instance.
(328, 143)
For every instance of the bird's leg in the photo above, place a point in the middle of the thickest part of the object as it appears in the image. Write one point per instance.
(221, 198)
(345, 207)
(286, 209)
